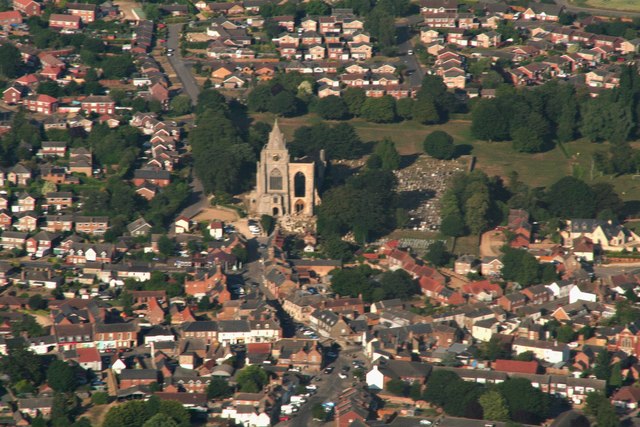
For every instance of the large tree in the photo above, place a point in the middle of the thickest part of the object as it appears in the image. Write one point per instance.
(61, 376)
(439, 144)
(494, 406)
(520, 266)
(379, 110)
(252, 379)
(389, 157)
(332, 108)
(571, 198)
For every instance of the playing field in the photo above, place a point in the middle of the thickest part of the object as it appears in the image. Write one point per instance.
(494, 158)
(623, 5)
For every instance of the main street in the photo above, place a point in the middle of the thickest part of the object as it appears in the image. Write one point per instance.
(329, 388)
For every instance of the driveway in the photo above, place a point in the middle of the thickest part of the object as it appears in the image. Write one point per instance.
(183, 71)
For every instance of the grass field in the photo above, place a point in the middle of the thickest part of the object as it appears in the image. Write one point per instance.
(495, 158)
(623, 5)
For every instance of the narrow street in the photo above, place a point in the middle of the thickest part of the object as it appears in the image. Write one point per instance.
(177, 62)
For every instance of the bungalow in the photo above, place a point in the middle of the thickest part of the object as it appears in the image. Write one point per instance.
(33, 406)
(139, 227)
(161, 178)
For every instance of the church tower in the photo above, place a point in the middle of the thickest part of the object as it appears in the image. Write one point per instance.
(283, 186)
(273, 175)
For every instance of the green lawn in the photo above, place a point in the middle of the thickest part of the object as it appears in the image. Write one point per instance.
(624, 5)
(495, 158)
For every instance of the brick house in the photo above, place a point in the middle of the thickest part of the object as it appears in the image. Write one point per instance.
(27, 221)
(63, 21)
(13, 94)
(91, 224)
(27, 7)
(53, 149)
(58, 200)
(86, 11)
(134, 377)
(538, 294)
(98, 105)
(42, 242)
(26, 202)
(115, 336)
(81, 253)
(13, 239)
(512, 302)
(5, 220)
(161, 178)
(204, 330)
(19, 175)
(10, 17)
(44, 104)
(58, 223)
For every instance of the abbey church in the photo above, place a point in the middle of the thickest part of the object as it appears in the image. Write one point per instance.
(285, 186)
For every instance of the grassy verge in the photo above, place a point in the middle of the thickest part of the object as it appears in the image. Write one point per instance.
(618, 5)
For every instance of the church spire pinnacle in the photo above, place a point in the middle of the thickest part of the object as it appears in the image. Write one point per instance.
(276, 138)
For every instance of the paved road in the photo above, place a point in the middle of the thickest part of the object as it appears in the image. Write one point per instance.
(328, 390)
(612, 270)
(182, 70)
(411, 63)
(594, 11)
(198, 199)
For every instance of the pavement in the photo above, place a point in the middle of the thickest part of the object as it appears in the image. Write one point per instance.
(182, 70)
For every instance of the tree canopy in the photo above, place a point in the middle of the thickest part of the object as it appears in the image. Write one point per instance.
(439, 144)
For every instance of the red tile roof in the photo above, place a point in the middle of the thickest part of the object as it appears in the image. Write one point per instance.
(518, 366)
(88, 355)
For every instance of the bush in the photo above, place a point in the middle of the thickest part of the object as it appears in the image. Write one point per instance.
(100, 398)
(440, 145)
